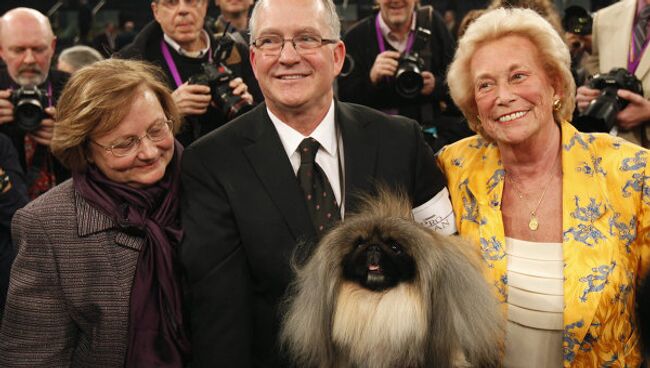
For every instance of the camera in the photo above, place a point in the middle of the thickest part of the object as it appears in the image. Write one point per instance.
(29, 107)
(217, 76)
(408, 78)
(601, 112)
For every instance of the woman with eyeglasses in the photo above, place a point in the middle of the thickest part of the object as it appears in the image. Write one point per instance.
(95, 281)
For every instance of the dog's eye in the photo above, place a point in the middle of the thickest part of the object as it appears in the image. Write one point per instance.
(396, 248)
(360, 241)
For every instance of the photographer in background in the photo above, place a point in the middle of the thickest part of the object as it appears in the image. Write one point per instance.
(233, 21)
(178, 42)
(28, 93)
(577, 24)
(382, 46)
(235, 13)
(13, 195)
(619, 41)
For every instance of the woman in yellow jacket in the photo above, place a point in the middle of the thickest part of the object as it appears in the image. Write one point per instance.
(561, 217)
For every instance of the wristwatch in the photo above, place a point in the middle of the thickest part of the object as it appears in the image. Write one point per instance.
(5, 184)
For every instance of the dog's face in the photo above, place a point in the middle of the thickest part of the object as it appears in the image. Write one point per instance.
(378, 262)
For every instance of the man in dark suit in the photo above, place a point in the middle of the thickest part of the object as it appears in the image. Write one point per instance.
(244, 209)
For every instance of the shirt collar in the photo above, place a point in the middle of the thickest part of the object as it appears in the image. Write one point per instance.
(325, 133)
(193, 54)
(388, 34)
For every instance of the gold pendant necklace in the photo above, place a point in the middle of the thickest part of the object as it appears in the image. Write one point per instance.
(533, 222)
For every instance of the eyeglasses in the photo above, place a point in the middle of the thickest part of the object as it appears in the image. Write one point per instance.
(272, 45)
(127, 146)
(174, 3)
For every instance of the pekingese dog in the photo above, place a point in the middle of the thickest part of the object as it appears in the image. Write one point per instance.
(381, 291)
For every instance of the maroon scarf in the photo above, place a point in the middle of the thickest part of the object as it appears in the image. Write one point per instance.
(156, 331)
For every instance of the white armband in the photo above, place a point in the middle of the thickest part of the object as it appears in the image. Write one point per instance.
(437, 214)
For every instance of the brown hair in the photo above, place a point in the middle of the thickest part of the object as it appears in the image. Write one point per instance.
(95, 101)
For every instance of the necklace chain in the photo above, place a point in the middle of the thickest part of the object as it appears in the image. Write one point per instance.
(533, 223)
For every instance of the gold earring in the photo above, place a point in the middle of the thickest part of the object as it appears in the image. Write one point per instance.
(557, 105)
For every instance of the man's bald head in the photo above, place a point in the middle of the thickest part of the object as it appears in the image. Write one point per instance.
(26, 45)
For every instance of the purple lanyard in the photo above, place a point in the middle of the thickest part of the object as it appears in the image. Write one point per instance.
(172, 65)
(49, 94)
(380, 38)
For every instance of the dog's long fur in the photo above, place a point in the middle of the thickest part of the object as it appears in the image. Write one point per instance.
(448, 310)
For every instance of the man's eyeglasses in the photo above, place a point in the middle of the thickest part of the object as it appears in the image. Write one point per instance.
(272, 45)
(174, 3)
(129, 145)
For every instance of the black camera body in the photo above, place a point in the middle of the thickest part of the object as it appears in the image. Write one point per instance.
(601, 112)
(217, 76)
(408, 78)
(29, 107)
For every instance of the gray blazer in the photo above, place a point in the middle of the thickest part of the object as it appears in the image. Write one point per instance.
(68, 300)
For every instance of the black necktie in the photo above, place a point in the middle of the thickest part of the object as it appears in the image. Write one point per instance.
(319, 196)
(640, 31)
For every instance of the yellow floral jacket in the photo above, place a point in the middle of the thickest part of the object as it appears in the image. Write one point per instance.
(606, 242)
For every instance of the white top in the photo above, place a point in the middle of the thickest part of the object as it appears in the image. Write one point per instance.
(436, 213)
(535, 304)
(327, 156)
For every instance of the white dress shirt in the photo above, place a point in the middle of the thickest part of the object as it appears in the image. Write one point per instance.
(436, 213)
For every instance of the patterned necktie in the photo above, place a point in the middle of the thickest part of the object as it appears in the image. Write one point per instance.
(640, 31)
(319, 196)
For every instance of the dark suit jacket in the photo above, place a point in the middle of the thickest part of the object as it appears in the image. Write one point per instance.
(68, 300)
(244, 214)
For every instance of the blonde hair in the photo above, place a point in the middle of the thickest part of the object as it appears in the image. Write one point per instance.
(95, 101)
(499, 23)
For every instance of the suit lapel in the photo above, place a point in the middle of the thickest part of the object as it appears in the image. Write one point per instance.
(483, 198)
(359, 151)
(91, 221)
(271, 164)
(124, 256)
(616, 33)
(585, 230)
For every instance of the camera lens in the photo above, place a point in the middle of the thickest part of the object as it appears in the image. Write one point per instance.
(28, 115)
(408, 79)
(232, 105)
(409, 83)
(601, 112)
(29, 104)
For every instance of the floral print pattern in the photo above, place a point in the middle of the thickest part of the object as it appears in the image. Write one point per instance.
(606, 238)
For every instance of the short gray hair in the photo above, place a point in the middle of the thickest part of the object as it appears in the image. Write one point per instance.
(331, 19)
(79, 56)
(494, 25)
